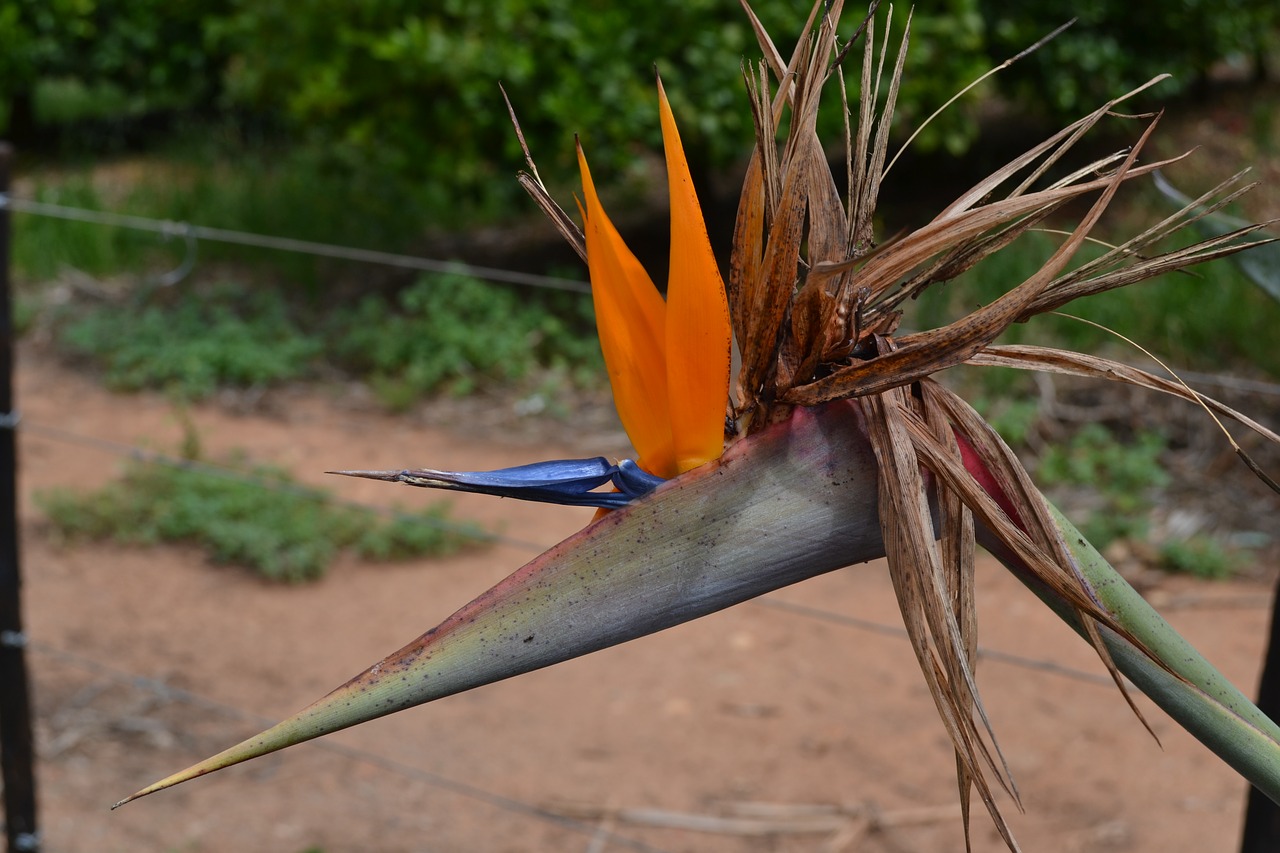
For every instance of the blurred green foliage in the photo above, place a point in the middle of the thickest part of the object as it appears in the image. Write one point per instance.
(395, 79)
(261, 519)
(415, 90)
(410, 89)
(1115, 46)
(43, 247)
(153, 51)
(455, 333)
(443, 333)
(271, 190)
(1125, 475)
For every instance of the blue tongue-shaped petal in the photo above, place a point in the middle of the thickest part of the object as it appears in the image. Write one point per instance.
(560, 481)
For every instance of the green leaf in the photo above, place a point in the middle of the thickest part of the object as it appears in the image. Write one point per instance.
(1183, 683)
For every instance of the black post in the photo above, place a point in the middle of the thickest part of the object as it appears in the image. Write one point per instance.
(1261, 815)
(17, 753)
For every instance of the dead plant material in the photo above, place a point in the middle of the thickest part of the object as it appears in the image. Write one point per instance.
(816, 306)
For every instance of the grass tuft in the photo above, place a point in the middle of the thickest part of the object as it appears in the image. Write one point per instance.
(262, 520)
(1201, 556)
(193, 346)
(1124, 475)
(453, 333)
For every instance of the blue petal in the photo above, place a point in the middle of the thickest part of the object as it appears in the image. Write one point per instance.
(633, 480)
(561, 481)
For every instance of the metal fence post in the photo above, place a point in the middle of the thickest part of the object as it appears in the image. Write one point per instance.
(17, 752)
(1262, 817)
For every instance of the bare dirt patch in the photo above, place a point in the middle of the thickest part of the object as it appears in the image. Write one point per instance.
(804, 709)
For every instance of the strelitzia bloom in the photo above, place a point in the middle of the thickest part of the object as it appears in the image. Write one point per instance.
(845, 449)
(669, 360)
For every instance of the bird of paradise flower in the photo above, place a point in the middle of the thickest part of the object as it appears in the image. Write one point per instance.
(841, 446)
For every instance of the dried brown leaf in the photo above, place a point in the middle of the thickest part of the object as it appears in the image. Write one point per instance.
(767, 298)
(1052, 149)
(860, 215)
(925, 353)
(1022, 520)
(562, 221)
(915, 566)
(1069, 363)
(532, 183)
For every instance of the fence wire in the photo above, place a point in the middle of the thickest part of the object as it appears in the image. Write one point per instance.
(169, 228)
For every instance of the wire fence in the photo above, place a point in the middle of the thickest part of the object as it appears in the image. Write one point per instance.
(166, 692)
(186, 230)
(189, 231)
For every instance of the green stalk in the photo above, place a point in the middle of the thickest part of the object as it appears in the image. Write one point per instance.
(1190, 690)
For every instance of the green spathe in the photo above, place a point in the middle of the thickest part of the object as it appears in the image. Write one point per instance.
(794, 501)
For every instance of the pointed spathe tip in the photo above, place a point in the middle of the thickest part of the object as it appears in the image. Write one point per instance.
(388, 476)
(167, 782)
(296, 729)
(137, 795)
(208, 766)
(181, 776)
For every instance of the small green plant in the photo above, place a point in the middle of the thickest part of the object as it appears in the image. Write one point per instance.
(454, 333)
(446, 333)
(1094, 457)
(193, 346)
(1124, 475)
(44, 247)
(1202, 556)
(261, 519)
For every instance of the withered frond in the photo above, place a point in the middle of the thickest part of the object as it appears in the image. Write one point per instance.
(783, 192)
(1070, 363)
(923, 353)
(816, 305)
(531, 182)
(933, 582)
(1053, 360)
(809, 287)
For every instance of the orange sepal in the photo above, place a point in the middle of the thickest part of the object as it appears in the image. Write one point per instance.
(698, 332)
(631, 320)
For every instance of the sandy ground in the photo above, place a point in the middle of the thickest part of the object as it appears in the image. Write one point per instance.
(780, 725)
